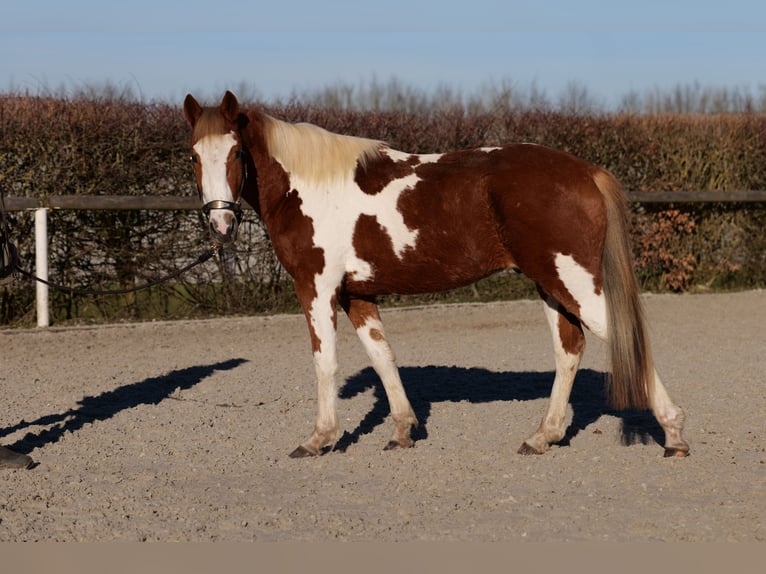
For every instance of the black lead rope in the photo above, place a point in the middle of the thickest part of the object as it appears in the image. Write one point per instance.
(204, 256)
(10, 265)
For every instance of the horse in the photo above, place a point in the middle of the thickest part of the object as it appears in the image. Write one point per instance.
(352, 219)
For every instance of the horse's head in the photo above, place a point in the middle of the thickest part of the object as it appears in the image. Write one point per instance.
(219, 163)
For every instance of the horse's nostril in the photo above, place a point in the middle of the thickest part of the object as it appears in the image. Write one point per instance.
(223, 233)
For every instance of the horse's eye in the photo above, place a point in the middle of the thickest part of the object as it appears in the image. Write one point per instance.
(238, 154)
(193, 158)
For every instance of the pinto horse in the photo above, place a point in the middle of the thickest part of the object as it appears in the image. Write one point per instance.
(351, 219)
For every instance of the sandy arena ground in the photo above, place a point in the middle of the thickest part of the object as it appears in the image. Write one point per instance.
(181, 431)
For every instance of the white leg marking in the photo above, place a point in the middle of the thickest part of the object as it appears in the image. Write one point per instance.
(669, 415)
(327, 429)
(552, 428)
(581, 285)
(373, 339)
(326, 366)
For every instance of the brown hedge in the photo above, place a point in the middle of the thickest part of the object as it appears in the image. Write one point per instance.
(51, 146)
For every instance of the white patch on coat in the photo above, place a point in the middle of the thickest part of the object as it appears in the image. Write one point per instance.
(213, 152)
(400, 156)
(430, 158)
(335, 207)
(582, 286)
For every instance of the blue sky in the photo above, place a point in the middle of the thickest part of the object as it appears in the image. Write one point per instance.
(162, 50)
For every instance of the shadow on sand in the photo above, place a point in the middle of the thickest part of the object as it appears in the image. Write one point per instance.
(426, 386)
(106, 405)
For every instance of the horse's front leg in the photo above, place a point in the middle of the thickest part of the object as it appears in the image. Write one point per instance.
(366, 320)
(321, 315)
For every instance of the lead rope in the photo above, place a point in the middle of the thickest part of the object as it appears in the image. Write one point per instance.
(204, 256)
(10, 265)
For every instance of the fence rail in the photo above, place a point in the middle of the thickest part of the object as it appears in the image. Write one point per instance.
(167, 203)
(106, 202)
(164, 203)
(734, 196)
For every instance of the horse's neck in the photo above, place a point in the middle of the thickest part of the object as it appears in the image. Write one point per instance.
(250, 190)
(257, 185)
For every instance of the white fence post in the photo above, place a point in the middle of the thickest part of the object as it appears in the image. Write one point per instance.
(41, 265)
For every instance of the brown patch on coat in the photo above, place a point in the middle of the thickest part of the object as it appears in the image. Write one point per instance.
(549, 205)
(477, 212)
(374, 175)
(458, 240)
(292, 236)
(570, 333)
(360, 311)
(376, 335)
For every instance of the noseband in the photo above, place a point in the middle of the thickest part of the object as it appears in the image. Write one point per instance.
(221, 204)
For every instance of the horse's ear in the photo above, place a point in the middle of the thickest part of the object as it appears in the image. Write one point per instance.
(192, 110)
(230, 106)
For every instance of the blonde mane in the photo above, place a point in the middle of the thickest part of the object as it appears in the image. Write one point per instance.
(315, 154)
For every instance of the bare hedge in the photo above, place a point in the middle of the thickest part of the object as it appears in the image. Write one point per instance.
(55, 146)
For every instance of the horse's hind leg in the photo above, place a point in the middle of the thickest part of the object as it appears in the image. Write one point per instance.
(671, 419)
(568, 344)
(366, 320)
(668, 414)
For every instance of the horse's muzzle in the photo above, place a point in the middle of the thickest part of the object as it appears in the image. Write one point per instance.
(224, 233)
(223, 219)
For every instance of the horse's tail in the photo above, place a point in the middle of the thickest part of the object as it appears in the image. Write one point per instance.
(632, 369)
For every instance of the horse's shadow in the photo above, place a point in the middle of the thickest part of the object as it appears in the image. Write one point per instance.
(426, 386)
(150, 391)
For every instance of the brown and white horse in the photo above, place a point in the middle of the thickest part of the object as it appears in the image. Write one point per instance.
(351, 219)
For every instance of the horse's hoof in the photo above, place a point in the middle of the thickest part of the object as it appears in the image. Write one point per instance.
(527, 449)
(676, 452)
(394, 445)
(302, 452)
(10, 459)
